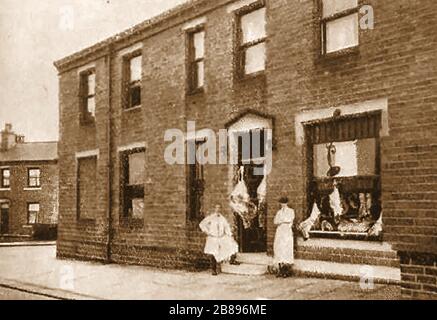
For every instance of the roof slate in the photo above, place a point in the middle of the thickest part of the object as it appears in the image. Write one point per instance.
(31, 151)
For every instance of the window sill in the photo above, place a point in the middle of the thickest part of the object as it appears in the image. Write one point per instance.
(33, 189)
(5, 189)
(352, 51)
(252, 76)
(132, 108)
(344, 235)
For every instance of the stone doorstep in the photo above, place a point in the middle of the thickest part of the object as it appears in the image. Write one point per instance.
(255, 258)
(245, 269)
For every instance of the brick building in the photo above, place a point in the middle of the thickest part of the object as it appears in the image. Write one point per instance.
(28, 187)
(318, 74)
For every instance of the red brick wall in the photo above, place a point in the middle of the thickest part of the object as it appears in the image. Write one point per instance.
(85, 238)
(19, 196)
(396, 60)
(419, 275)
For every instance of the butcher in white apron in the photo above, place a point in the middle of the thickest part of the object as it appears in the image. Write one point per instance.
(283, 245)
(219, 241)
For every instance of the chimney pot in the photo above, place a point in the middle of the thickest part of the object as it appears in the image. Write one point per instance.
(8, 127)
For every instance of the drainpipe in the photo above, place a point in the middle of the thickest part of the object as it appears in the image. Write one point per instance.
(110, 166)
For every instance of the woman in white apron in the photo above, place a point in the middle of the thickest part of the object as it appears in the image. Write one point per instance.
(283, 245)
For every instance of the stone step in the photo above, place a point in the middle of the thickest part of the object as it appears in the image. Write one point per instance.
(347, 251)
(259, 264)
(345, 271)
(255, 258)
(245, 269)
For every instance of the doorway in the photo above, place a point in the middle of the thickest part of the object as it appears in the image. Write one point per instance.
(4, 217)
(251, 152)
(253, 239)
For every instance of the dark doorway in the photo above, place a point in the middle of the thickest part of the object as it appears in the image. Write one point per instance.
(251, 149)
(4, 217)
(254, 238)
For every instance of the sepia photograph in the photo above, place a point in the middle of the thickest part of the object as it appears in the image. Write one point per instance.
(242, 151)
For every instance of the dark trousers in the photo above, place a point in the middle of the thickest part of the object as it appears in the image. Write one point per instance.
(214, 265)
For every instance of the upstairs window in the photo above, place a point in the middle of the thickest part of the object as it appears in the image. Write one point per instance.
(88, 96)
(32, 213)
(340, 25)
(132, 76)
(5, 178)
(252, 40)
(34, 178)
(132, 183)
(196, 57)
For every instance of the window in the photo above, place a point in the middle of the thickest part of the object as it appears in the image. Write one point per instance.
(132, 183)
(195, 187)
(343, 152)
(252, 40)
(34, 178)
(86, 188)
(132, 80)
(32, 213)
(5, 178)
(88, 96)
(196, 57)
(339, 25)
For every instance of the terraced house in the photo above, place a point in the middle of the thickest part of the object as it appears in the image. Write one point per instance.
(28, 188)
(348, 90)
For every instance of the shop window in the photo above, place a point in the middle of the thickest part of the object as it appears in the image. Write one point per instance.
(344, 155)
(340, 25)
(252, 38)
(133, 171)
(86, 188)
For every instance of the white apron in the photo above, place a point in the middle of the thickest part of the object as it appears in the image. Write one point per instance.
(283, 245)
(219, 240)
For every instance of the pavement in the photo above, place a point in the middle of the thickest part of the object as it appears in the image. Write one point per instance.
(34, 271)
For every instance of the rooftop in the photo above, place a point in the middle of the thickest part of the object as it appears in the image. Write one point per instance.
(135, 30)
(31, 151)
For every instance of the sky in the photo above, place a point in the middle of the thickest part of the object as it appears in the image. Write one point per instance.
(35, 33)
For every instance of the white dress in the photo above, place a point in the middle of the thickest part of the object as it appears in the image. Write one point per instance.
(219, 240)
(283, 245)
